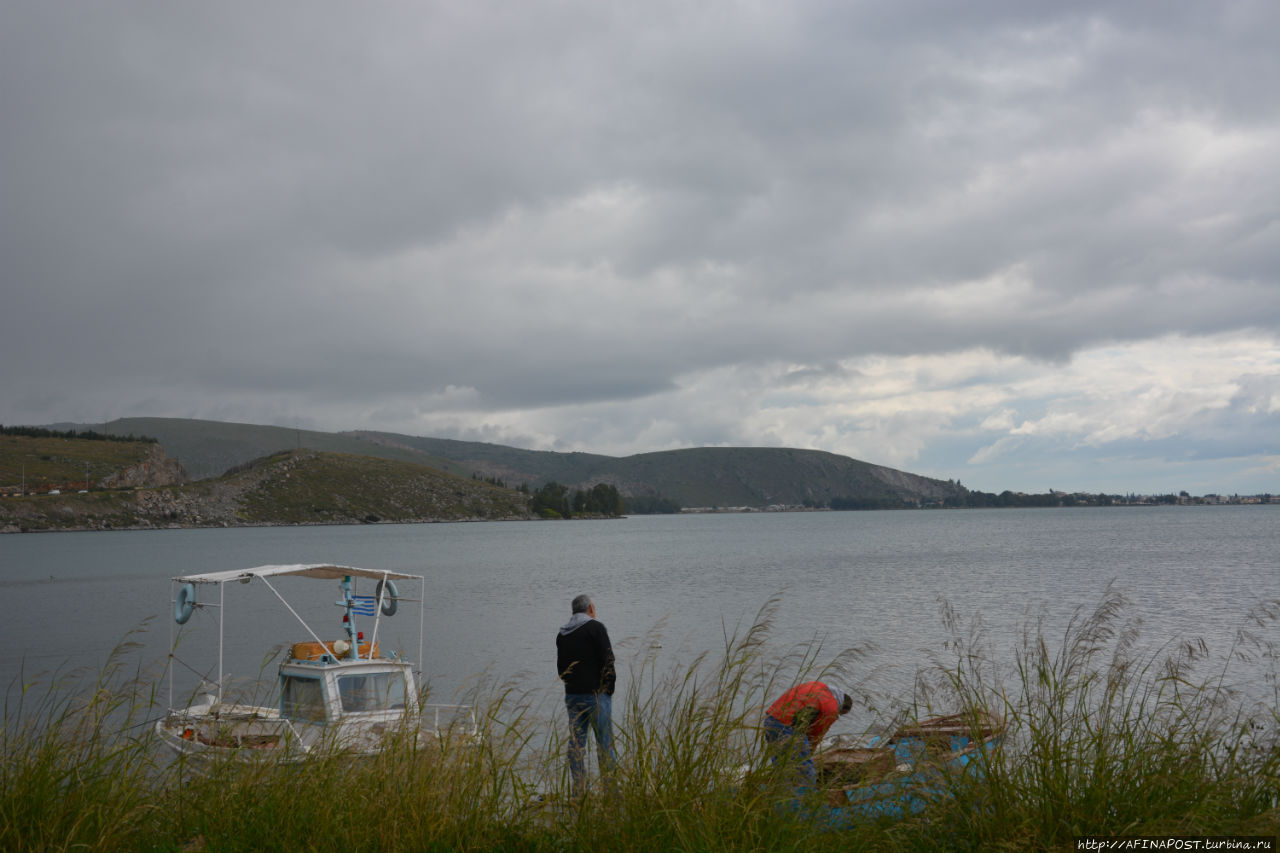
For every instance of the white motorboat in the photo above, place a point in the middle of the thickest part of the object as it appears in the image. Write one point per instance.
(333, 694)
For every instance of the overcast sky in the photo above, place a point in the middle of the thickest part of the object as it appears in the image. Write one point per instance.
(1022, 245)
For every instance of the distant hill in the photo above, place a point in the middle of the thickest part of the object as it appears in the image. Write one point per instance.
(510, 464)
(710, 476)
(704, 476)
(209, 448)
(290, 487)
(39, 464)
(761, 476)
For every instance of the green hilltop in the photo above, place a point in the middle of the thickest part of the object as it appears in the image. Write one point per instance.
(210, 448)
(47, 462)
(697, 477)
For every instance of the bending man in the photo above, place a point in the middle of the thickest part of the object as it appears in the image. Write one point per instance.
(800, 719)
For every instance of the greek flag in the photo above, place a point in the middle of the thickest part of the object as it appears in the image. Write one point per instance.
(363, 605)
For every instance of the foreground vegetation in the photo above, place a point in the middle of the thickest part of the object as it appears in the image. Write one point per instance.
(1102, 739)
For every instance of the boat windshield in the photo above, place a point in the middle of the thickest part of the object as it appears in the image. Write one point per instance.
(374, 691)
(301, 699)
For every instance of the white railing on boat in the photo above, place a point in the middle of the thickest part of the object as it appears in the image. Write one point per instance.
(436, 708)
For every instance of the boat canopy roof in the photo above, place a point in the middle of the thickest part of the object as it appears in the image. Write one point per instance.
(321, 571)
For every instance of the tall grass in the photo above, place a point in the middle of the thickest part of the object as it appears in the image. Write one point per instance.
(1105, 736)
(73, 771)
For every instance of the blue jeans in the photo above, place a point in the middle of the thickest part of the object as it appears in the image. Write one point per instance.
(792, 745)
(596, 711)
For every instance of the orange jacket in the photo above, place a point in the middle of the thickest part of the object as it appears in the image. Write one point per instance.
(811, 695)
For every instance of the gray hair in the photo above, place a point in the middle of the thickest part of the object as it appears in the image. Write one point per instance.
(581, 604)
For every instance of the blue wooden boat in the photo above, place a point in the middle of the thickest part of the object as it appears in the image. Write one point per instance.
(902, 774)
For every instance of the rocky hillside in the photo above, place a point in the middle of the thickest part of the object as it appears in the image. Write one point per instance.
(293, 487)
(153, 469)
(44, 463)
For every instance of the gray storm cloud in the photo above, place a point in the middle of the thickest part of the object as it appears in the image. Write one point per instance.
(572, 224)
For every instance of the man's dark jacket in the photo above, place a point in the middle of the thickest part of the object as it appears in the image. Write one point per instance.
(584, 657)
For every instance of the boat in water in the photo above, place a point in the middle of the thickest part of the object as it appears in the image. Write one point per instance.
(911, 768)
(341, 694)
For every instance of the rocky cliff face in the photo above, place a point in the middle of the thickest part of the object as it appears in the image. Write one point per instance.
(155, 470)
(914, 483)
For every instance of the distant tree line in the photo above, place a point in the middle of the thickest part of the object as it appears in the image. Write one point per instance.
(554, 500)
(990, 500)
(651, 505)
(982, 500)
(977, 500)
(852, 503)
(86, 435)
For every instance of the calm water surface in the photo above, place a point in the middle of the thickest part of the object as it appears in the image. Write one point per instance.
(497, 592)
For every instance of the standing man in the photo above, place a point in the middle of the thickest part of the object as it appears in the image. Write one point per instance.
(800, 719)
(584, 661)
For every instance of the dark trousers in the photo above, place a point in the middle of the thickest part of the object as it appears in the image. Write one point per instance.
(594, 711)
(789, 744)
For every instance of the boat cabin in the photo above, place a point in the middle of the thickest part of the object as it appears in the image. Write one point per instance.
(327, 690)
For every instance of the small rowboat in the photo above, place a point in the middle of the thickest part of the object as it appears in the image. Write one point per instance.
(338, 694)
(903, 773)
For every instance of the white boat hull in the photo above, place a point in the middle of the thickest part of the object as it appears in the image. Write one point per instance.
(249, 732)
